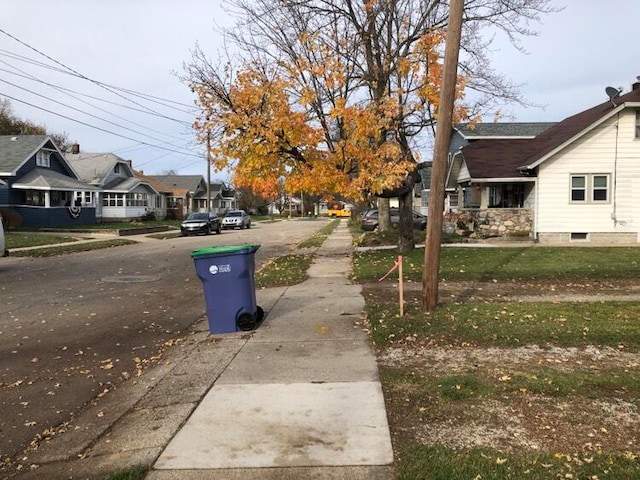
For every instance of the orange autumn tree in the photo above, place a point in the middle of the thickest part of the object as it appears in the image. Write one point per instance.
(265, 137)
(331, 104)
(320, 136)
(363, 76)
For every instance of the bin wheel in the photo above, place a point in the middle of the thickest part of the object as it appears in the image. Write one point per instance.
(259, 314)
(246, 322)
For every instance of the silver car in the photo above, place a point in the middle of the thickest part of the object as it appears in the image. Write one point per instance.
(236, 219)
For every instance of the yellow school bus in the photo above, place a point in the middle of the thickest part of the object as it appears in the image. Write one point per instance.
(338, 209)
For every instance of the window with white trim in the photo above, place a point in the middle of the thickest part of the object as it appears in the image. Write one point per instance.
(43, 158)
(589, 188)
(637, 123)
(137, 200)
(113, 200)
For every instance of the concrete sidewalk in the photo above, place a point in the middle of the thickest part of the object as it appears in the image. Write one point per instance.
(298, 398)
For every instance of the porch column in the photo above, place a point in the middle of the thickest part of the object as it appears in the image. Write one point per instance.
(47, 199)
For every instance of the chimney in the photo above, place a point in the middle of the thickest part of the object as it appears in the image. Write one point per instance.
(636, 85)
(75, 148)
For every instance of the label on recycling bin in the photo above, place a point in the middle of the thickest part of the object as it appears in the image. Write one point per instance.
(215, 269)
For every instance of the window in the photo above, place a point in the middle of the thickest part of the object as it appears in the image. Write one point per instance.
(589, 188)
(506, 195)
(34, 197)
(424, 199)
(637, 123)
(137, 200)
(43, 158)
(113, 200)
(578, 188)
(82, 198)
(600, 188)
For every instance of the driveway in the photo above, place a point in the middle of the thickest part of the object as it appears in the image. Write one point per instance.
(74, 327)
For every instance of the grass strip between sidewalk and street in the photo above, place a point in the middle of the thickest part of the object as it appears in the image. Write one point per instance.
(284, 271)
(23, 240)
(67, 249)
(320, 236)
(136, 473)
(292, 269)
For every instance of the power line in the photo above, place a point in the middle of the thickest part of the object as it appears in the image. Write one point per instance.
(153, 98)
(85, 113)
(96, 127)
(85, 77)
(65, 90)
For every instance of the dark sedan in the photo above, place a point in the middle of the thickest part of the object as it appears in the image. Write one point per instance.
(369, 220)
(201, 222)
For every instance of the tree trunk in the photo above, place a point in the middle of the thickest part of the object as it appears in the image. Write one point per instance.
(384, 218)
(406, 242)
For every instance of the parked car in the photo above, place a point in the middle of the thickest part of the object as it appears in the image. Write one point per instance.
(236, 219)
(3, 250)
(369, 221)
(201, 222)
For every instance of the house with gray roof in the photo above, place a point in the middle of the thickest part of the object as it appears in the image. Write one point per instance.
(192, 191)
(41, 186)
(184, 188)
(464, 134)
(222, 199)
(576, 181)
(121, 196)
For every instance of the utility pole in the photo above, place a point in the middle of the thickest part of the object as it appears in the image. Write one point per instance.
(208, 171)
(440, 155)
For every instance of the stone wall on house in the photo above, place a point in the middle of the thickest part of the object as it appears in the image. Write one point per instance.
(492, 222)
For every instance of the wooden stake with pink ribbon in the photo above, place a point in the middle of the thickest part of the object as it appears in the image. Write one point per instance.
(398, 265)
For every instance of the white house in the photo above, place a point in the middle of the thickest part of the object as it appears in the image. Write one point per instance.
(122, 196)
(577, 181)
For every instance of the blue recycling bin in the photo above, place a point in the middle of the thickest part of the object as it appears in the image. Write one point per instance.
(228, 280)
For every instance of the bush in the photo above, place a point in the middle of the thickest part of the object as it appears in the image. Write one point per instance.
(10, 218)
(148, 217)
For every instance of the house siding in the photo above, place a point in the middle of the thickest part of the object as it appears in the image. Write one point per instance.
(4, 195)
(463, 174)
(610, 148)
(54, 216)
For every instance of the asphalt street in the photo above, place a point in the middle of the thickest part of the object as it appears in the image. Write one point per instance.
(75, 326)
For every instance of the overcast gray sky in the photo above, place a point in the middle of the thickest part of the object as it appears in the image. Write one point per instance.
(135, 45)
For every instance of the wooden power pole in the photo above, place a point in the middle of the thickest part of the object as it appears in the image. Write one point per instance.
(440, 155)
(209, 171)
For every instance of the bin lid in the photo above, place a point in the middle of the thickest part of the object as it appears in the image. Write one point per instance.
(224, 250)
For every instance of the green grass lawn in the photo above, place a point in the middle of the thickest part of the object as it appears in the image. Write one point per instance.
(22, 240)
(495, 389)
(125, 225)
(510, 325)
(52, 251)
(509, 263)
